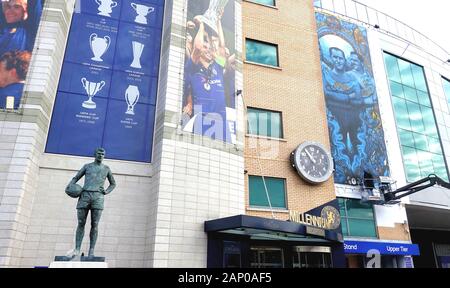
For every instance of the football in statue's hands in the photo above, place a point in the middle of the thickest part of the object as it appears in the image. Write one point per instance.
(74, 190)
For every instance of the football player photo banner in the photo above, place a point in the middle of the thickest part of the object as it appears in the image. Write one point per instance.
(19, 23)
(209, 106)
(353, 115)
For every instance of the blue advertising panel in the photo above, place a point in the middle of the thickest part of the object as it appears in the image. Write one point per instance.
(209, 71)
(19, 22)
(108, 85)
(385, 248)
(354, 120)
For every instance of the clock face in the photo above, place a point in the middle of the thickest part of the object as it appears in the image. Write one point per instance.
(313, 162)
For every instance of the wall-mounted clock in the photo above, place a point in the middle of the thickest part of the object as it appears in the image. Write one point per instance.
(313, 162)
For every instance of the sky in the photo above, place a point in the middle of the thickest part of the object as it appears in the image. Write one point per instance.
(430, 17)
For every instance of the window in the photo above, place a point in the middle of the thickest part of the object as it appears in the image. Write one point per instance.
(276, 190)
(264, 2)
(264, 123)
(416, 125)
(447, 90)
(261, 52)
(357, 219)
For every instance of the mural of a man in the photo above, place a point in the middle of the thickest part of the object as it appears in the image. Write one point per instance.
(356, 133)
(342, 91)
(365, 80)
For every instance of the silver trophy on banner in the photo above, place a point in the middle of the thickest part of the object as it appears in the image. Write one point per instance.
(132, 97)
(105, 7)
(92, 88)
(142, 12)
(137, 53)
(99, 46)
(210, 17)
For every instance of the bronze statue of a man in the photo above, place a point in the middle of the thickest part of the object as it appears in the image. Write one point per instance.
(91, 199)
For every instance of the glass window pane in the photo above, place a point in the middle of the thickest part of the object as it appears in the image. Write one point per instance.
(411, 164)
(362, 228)
(406, 138)
(342, 208)
(447, 89)
(421, 142)
(357, 210)
(434, 145)
(392, 68)
(401, 113)
(397, 89)
(405, 73)
(345, 231)
(429, 122)
(439, 166)
(275, 125)
(277, 192)
(410, 94)
(256, 192)
(425, 163)
(252, 121)
(419, 77)
(263, 123)
(263, 53)
(424, 98)
(415, 117)
(265, 2)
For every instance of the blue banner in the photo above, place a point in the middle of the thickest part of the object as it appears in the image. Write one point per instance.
(354, 118)
(384, 248)
(108, 86)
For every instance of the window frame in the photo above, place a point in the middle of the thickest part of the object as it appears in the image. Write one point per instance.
(346, 217)
(253, 134)
(284, 180)
(262, 4)
(278, 66)
(406, 100)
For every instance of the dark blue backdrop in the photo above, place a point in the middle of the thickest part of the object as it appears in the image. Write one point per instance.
(109, 29)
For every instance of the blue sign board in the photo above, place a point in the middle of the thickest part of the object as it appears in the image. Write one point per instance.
(385, 248)
(107, 90)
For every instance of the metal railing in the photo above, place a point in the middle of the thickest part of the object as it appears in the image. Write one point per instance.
(385, 23)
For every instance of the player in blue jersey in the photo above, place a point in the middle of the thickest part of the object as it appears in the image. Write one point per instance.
(13, 70)
(205, 101)
(19, 22)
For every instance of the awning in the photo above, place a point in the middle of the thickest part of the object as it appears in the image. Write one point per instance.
(384, 248)
(258, 228)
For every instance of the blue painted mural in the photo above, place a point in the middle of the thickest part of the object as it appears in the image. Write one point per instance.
(107, 90)
(354, 123)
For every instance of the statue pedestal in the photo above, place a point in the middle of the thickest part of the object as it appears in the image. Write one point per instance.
(79, 262)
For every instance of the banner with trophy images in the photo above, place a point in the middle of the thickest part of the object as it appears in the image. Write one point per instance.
(107, 90)
(209, 106)
(19, 23)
